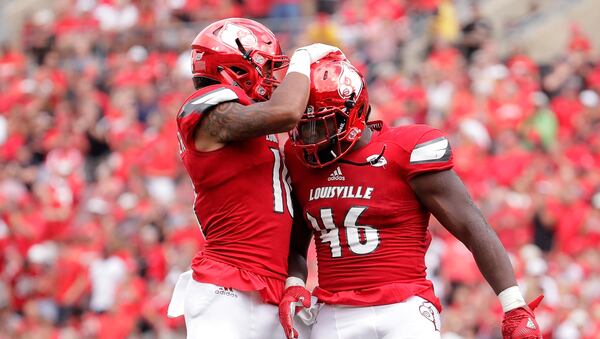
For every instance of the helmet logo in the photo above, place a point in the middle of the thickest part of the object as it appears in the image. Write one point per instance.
(352, 134)
(381, 161)
(349, 82)
(231, 31)
(259, 59)
(310, 111)
(199, 55)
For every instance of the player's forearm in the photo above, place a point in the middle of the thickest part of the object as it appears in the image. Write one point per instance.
(289, 100)
(297, 266)
(446, 197)
(490, 256)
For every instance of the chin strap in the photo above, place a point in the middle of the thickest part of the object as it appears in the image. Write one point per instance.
(370, 162)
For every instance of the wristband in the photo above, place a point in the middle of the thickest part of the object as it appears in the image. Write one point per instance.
(300, 63)
(510, 298)
(294, 281)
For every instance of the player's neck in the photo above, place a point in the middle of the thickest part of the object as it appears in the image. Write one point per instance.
(364, 139)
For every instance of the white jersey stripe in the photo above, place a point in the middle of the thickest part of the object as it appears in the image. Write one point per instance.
(216, 97)
(432, 151)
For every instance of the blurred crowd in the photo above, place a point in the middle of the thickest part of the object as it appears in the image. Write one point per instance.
(96, 217)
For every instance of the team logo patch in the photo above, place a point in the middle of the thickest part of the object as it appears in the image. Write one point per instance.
(310, 111)
(353, 134)
(230, 32)
(380, 163)
(430, 313)
(349, 82)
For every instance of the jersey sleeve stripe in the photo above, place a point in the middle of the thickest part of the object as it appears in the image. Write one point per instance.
(435, 150)
(208, 100)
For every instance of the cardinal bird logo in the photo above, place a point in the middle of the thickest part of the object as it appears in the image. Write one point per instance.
(349, 82)
(428, 311)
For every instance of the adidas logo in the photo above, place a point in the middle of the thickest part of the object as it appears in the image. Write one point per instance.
(227, 291)
(530, 324)
(336, 175)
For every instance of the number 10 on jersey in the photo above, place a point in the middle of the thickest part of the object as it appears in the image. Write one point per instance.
(367, 243)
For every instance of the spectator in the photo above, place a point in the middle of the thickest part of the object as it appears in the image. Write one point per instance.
(476, 33)
(106, 274)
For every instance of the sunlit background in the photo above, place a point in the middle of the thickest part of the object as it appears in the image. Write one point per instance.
(96, 217)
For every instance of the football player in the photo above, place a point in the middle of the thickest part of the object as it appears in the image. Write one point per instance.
(226, 132)
(365, 191)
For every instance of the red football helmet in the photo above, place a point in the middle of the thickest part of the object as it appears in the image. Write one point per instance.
(238, 52)
(336, 114)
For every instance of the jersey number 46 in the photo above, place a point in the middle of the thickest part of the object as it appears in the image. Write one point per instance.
(361, 239)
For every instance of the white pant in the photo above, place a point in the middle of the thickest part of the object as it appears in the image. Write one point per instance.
(212, 311)
(414, 318)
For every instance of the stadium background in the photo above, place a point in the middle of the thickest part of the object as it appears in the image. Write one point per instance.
(95, 208)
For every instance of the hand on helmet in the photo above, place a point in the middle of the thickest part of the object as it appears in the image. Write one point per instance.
(318, 51)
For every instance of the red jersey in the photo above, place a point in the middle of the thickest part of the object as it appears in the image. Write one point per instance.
(242, 203)
(371, 232)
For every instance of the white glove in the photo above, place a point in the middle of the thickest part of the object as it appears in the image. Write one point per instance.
(318, 51)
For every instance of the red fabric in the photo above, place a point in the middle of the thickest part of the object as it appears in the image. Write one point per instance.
(71, 24)
(377, 9)
(156, 261)
(508, 167)
(225, 275)
(386, 262)
(458, 264)
(566, 110)
(159, 156)
(512, 226)
(444, 58)
(593, 79)
(113, 325)
(11, 64)
(380, 295)
(28, 228)
(71, 270)
(11, 146)
(579, 43)
(240, 203)
(508, 108)
(569, 236)
(131, 298)
(425, 5)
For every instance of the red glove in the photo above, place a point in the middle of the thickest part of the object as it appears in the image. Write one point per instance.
(520, 323)
(294, 299)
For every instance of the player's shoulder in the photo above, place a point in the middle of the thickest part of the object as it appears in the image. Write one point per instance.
(207, 97)
(410, 137)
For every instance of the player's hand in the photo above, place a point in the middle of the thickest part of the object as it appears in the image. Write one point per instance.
(520, 323)
(318, 51)
(294, 299)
